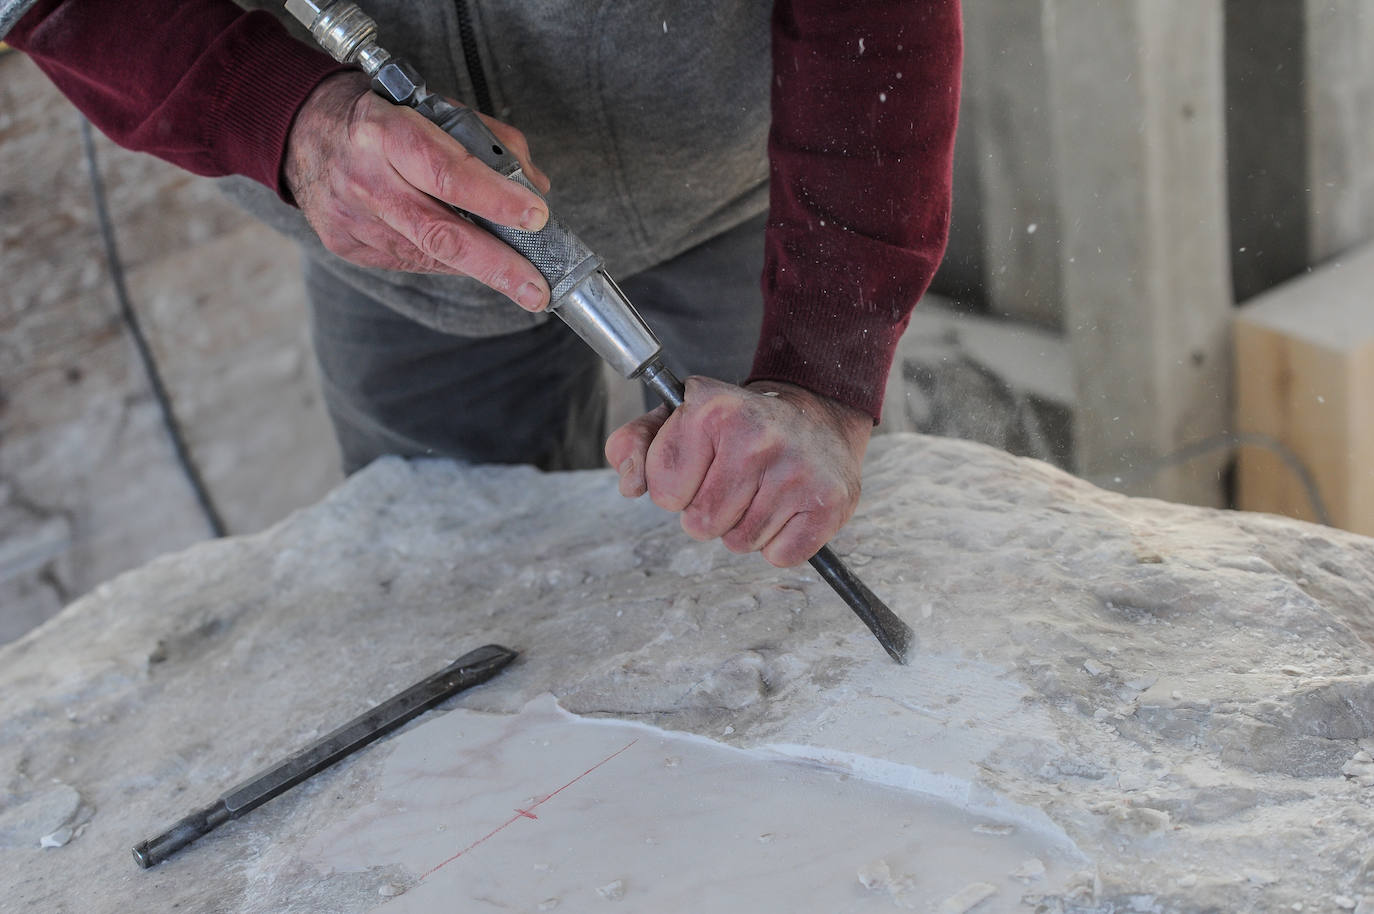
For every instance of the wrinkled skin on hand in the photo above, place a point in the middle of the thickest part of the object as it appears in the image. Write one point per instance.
(369, 176)
(771, 468)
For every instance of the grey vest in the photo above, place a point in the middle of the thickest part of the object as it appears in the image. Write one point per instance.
(651, 119)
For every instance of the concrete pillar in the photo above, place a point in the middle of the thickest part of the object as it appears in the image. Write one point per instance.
(1300, 134)
(1004, 45)
(960, 276)
(1266, 143)
(1340, 102)
(1138, 130)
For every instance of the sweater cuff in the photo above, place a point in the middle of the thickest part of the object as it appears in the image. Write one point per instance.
(251, 113)
(802, 343)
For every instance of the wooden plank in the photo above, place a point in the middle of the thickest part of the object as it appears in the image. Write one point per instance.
(1305, 377)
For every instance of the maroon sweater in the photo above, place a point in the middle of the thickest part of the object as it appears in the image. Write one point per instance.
(860, 147)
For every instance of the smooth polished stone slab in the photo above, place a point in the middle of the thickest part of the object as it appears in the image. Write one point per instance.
(542, 809)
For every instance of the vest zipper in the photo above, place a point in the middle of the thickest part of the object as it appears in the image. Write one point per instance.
(468, 36)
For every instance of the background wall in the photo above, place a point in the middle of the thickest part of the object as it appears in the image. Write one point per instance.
(89, 484)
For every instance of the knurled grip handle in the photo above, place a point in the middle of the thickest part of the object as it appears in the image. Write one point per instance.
(559, 255)
(580, 292)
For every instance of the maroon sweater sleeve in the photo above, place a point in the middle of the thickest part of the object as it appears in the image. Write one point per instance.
(865, 99)
(200, 83)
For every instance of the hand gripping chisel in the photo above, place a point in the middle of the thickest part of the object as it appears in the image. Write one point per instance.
(583, 294)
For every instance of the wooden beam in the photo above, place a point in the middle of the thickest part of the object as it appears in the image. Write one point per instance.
(1305, 377)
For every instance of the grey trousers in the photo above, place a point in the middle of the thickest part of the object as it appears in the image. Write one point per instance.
(393, 386)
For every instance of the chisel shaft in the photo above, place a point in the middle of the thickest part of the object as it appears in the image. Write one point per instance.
(469, 670)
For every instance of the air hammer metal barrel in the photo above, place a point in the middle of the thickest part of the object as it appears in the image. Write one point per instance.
(583, 295)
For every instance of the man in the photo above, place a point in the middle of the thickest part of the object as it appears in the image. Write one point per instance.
(654, 125)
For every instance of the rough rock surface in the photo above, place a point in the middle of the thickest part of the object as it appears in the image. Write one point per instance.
(1185, 693)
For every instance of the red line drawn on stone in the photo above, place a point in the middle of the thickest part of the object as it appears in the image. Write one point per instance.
(527, 813)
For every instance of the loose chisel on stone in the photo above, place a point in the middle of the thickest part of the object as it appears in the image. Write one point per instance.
(473, 668)
(582, 293)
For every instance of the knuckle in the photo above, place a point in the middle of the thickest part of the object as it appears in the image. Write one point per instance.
(443, 181)
(630, 440)
(441, 241)
(736, 542)
(833, 497)
(352, 186)
(696, 526)
(665, 490)
(744, 537)
(631, 486)
(668, 501)
(704, 518)
(406, 256)
(767, 445)
(792, 547)
(717, 403)
(640, 433)
(367, 134)
(340, 243)
(775, 556)
(666, 453)
(499, 278)
(362, 106)
(446, 172)
(809, 537)
(615, 450)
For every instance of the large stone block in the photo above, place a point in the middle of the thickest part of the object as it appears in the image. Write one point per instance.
(1164, 707)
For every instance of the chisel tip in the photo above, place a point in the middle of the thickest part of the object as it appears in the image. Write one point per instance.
(892, 633)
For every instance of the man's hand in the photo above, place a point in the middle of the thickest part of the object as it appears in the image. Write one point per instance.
(771, 467)
(369, 176)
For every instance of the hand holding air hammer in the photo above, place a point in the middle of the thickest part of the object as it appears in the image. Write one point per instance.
(774, 469)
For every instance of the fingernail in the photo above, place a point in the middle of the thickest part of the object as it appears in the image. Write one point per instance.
(626, 466)
(534, 218)
(530, 296)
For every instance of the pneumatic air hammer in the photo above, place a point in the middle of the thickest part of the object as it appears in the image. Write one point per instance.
(583, 295)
